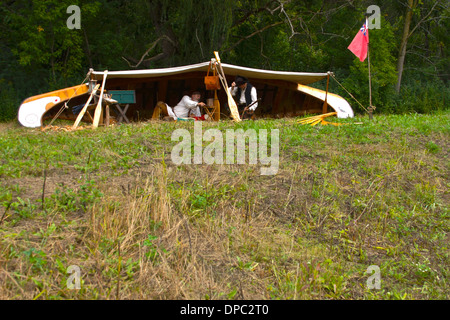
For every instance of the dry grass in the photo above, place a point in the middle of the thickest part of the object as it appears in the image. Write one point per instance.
(160, 231)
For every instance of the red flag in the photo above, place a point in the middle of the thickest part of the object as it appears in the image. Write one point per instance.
(360, 43)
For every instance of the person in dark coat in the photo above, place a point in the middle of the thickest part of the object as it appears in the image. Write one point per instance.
(245, 94)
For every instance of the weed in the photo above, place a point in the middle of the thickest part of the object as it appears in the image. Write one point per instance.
(37, 259)
(69, 200)
(152, 251)
(22, 209)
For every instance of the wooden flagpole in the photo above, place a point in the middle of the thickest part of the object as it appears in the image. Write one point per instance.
(370, 109)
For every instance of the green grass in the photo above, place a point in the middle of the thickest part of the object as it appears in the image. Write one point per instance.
(138, 226)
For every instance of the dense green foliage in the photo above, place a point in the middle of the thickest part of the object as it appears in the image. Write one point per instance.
(38, 52)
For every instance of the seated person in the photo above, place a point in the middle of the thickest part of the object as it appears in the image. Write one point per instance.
(245, 94)
(162, 110)
(187, 107)
(189, 104)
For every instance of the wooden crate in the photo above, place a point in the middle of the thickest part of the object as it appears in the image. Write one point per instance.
(123, 96)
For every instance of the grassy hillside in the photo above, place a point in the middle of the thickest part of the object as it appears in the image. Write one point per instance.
(112, 203)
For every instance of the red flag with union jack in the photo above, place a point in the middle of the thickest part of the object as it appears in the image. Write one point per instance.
(360, 43)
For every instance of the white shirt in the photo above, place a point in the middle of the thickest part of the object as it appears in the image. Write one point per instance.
(170, 112)
(185, 106)
(242, 100)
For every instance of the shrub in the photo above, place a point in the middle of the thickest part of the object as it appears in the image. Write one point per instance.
(8, 101)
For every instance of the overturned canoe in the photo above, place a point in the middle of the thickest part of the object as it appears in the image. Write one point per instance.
(32, 109)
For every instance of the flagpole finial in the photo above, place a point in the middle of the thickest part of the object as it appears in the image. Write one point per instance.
(367, 15)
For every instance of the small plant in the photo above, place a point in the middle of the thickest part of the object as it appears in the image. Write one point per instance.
(37, 258)
(249, 266)
(23, 208)
(44, 234)
(72, 200)
(423, 270)
(152, 253)
(88, 194)
(432, 147)
(131, 267)
(64, 200)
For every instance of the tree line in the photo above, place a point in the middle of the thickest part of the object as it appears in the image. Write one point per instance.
(408, 53)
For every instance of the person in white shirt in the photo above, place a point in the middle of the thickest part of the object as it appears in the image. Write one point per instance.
(245, 94)
(189, 106)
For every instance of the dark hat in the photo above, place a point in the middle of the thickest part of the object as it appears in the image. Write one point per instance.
(240, 80)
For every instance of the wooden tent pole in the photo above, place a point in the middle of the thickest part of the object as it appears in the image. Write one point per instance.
(216, 107)
(107, 116)
(325, 102)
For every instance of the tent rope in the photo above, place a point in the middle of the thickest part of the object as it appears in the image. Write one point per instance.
(65, 106)
(333, 76)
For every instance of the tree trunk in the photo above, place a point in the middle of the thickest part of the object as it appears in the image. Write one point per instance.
(164, 29)
(402, 52)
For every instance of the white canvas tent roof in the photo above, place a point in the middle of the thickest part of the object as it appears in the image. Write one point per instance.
(229, 69)
(302, 79)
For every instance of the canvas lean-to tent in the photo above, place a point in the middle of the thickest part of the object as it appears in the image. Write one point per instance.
(282, 93)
